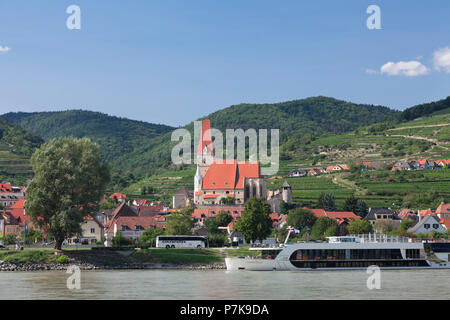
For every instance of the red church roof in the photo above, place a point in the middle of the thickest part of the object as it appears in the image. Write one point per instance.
(226, 175)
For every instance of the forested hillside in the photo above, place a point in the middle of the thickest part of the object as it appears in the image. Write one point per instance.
(116, 136)
(16, 146)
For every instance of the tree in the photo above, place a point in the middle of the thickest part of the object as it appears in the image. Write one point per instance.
(180, 222)
(221, 220)
(148, 237)
(326, 201)
(69, 180)
(227, 200)
(384, 226)
(255, 223)
(359, 226)
(301, 219)
(321, 226)
(350, 204)
(119, 240)
(361, 208)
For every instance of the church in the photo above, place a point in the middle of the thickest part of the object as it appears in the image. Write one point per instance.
(216, 179)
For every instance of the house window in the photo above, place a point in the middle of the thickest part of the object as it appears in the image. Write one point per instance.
(124, 228)
(435, 225)
(426, 226)
(92, 230)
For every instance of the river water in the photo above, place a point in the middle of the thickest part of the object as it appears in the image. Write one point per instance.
(221, 284)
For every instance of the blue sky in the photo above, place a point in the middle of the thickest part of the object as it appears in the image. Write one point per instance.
(174, 61)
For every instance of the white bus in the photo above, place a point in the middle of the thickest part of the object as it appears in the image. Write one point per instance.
(181, 242)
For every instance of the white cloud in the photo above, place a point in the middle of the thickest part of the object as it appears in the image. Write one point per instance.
(4, 49)
(441, 59)
(405, 68)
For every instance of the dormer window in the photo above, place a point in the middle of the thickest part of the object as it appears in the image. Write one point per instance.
(435, 225)
(426, 226)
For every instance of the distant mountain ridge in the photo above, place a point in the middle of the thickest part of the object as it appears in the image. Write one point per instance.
(143, 148)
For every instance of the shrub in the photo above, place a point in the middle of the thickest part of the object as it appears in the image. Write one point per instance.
(62, 259)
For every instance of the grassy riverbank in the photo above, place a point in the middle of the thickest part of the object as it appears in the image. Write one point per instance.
(178, 256)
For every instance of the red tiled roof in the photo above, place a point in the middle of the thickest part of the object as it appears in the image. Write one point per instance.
(210, 196)
(424, 213)
(118, 196)
(318, 212)
(18, 205)
(342, 215)
(446, 223)
(226, 175)
(5, 187)
(443, 208)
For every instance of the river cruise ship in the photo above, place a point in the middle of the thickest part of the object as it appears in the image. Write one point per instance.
(347, 253)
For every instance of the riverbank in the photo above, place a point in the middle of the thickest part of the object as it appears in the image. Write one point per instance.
(46, 259)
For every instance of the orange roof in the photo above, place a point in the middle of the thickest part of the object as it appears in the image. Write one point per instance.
(446, 223)
(344, 167)
(443, 208)
(342, 215)
(424, 213)
(227, 175)
(5, 187)
(274, 216)
(118, 196)
(330, 168)
(210, 196)
(317, 212)
(18, 205)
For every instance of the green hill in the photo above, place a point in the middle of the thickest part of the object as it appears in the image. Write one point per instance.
(116, 136)
(425, 137)
(16, 147)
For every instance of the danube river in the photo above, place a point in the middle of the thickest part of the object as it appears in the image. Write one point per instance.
(220, 284)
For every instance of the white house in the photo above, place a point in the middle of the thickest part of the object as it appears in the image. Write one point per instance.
(428, 224)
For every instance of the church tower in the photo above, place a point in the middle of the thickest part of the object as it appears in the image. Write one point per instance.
(205, 151)
(286, 192)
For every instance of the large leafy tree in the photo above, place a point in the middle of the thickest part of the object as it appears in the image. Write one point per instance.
(301, 219)
(180, 222)
(324, 227)
(359, 226)
(221, 220)
(69, 180)
(255, 223)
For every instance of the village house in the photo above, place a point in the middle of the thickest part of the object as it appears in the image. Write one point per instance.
(182, 198)
(201, 214)
(118, 197)
(443, 211)
(343, 218)
(314, 172)
(375, 215)
(443, 163)
(9, 195)
(297, 173)
(401, 166)
(422, 164)
(9, 224)
(427, 224)
(92, 232)
(131, 223)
